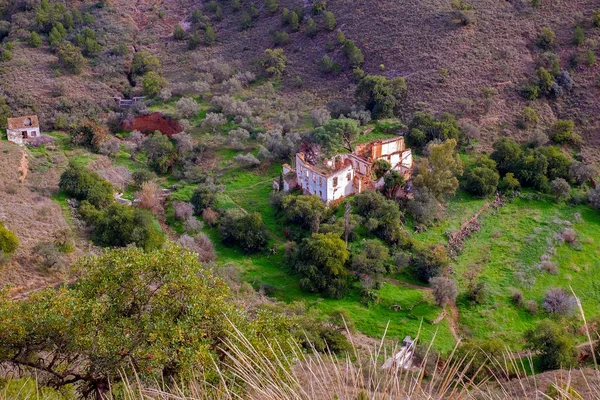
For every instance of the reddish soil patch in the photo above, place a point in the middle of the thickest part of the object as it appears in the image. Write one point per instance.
(153, 122)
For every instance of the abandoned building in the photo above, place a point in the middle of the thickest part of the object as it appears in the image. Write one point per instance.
(21, 129)
(347, 174)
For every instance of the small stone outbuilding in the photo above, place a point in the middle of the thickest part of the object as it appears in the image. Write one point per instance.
(21, 129)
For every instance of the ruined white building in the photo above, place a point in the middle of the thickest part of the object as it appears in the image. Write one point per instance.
(21, 129)
(347, 174)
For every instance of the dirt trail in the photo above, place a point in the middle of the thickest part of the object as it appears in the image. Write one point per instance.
(23, 166)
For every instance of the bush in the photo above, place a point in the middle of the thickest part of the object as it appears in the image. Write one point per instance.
(594, 197)
(213, 121)
(482, 180)
(554, 345)
(153, 84)
(320, 116)
(380, 95)
(178, 33)
(308, 211)
(199, 244)
(563, 132)
(581, 173)
(70, 58)
(596, 18)
(8, 241)
(294, 21)
(371, 259)
(328, 65)
(34, 40)
(271, 5)
(509, 183)
(558, 301)
(281, 37)
(182, 210)
(141, 176)
(83, 184)
(210, 216)
(424, 128)
(204, 197)
(320, 261)
(560, 189)
(444, 290)
(546, 39)
(578, 35)
(245, 230)
(353, 54)
(274, 62)
(311, 28)
(517, 298)
(329, 20)
(161, 152)
(48, 254)
(528, 118)
(187, 107)
(429, 262)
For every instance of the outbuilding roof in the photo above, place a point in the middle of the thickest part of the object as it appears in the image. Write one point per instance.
(27, 121)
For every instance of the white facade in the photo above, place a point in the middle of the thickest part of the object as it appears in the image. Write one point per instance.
(347, 174)
(21, 129)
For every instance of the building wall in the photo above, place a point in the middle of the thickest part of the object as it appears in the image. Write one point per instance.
(16, 135)
(328, 187)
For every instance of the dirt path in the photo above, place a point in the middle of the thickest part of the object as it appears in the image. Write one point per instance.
(452, 318)
(23, 166)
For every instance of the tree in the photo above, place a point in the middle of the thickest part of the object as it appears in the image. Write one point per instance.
(320, 262)
(578, 35)
(509, 183)
(149, 197)
(245, 230)
(555, 346)
(274, 62)
(371, 258)
(83, 184)
(560, 189)
(380, 95)
(153, 83)
(34, 39)
(444, 290)
(187, 107)
(558, 162)
(203, 197)
(246, 21)
(482, 180)
(594, 197)
(294, 21)
(308, 211)
(546, 39)
(143, 62)
(178, 33)
(271, 5)
(329, 20)
(311, 28)
(507, 154)
(581, 173)
(154, 315)
(8, 241)
(439, 170)
(353, 54)
(161, 152)
(343, 131)
(70, 58)
(563, 131)
(429, 262)
(210, 36)
(424, 128)
(382, 216)
(194, 41)
(120, 225)
(392, 181)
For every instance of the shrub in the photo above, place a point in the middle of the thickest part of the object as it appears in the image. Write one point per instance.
(569, 235)
(213, 121)
(558, 301)
(70, 58)
(194, 41)
(371, 259)
(424, 128)
(353, 53)
(193, 225)
(281, 37)
(41, 141)
(528, 118)
(149, 197)
(578, 35)
(247, 160)
(596, 18)
(554, 345)
(161, 152)
(320, 262)
(187, 107)
(8, 241)
(178, 33)
(326, 64)
(199, 244)
(210, 36)
(238, 137)
(380, 95)
(581, 173)
(83, 184)
(274, 62)
(294, 21)
(563, 132)
(153, 84)
(546, 39)
(271, 5)
(594, 197)
(590, 58)
(429, 262)
(308, 211)
(320, 116)
(509, 183)
(560, 189)
(245, 230)
(143, 62)
(517, 298)
(210, 216)
(423, 207)
(48, 254)
(482, 180)
(444, 290)
(140, 176)
(329, 20)
(311, 28)
(34, 39)
(183, 210)
(203, 197)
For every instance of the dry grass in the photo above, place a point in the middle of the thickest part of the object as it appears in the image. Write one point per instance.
(27, 209)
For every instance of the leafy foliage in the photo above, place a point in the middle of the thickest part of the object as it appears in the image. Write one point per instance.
(438, 172)
(554, 345)
(84, 184)
(8, 240)
(380, 95)
(245, 230)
